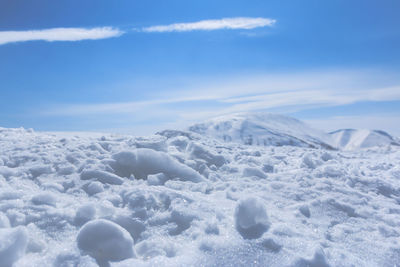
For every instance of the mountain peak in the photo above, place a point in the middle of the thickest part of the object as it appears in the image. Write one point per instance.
(264, 129)
(350, 139)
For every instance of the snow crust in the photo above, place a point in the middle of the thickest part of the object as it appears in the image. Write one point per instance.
(184, 199)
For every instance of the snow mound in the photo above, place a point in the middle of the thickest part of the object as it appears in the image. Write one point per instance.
(101, 176)
(105, 241)
(263, 129)
(352, 139)
(144, 161)
(251, 218)
(13, 242)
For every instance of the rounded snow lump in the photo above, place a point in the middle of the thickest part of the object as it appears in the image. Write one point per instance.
(45, 198)
(251, 218)
(143, 162)
(13, 242)
(84, 214)
(105, 241)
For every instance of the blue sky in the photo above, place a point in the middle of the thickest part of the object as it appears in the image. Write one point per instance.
(142, 66)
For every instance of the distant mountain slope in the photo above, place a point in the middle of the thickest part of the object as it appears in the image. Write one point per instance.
(352, 139)
(263, 129)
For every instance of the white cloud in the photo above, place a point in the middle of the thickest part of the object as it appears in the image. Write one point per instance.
(59, 34)
(215, 24)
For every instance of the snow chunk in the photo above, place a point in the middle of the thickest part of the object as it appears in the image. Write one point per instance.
(7, 172)
(9, 195)
(251, 218)
(4, 221)
(71, 258)
(212, 229)
(84, 214)
(15, 217)
(304, 209)
(155, 143)
(101, 176)
(13, 242)
(319, 260)
(44, 198)
(105, 241)
(268, 168)
(156, 179)
(40, 170)
(53, 186)
(152, 248)
(310, 162)
(66, 170)
(271, 245)
(143, 162)
(179, 142)
(93, 188)
(326, 156)
(199, 152)
(183, 219)
(251, 171)
(332, 171)
(133, 226)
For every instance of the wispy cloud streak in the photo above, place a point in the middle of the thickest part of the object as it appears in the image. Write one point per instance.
(299, 91)
(59, 34)
(78, 34)
(215, 24)
(282, 93)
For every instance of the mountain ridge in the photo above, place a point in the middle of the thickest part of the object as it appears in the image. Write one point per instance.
(350, 139)
(268, 129)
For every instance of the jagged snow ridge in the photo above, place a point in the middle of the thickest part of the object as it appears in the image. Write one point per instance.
(263, 129)
(253, 206)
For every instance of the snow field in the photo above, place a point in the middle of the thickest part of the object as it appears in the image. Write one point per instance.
(181, 199)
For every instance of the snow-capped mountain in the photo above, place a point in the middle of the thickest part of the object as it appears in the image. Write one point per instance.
(351, 139)
(263, 129)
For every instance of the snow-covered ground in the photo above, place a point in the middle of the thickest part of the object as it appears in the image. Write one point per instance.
(185, 199)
